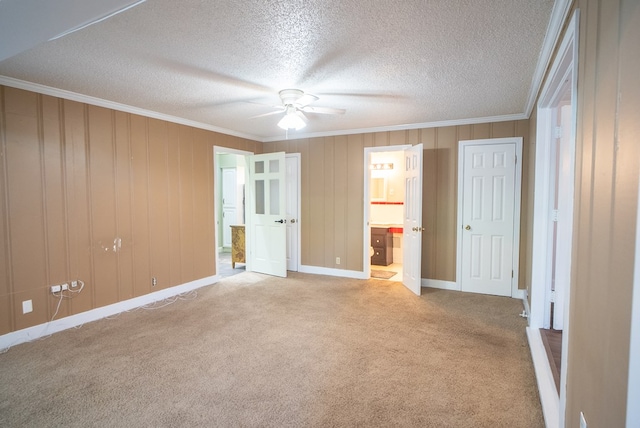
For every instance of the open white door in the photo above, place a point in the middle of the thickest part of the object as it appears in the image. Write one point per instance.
(412, 223)
(267, 249)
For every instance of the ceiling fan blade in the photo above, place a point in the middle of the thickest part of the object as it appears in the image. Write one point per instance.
(381, 96)
(271, 113)
(299, 113)
(323, 110)
(305, 100)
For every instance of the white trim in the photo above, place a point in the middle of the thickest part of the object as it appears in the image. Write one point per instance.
(544, 377)
(366, 234)
(74, 96)
(559, 15)
(443, 285)
(316, 270)
(32, 333)
(540, 259)
(517, 198)
(633, 379)
(96, 20)
(525, 304)
(566, 61)
(298, 158)
(388, 128)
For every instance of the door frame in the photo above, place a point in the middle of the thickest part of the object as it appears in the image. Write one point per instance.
(517, 197)
(565, 66)
(223, 184)
(219, 150)
(298, 159)
(366, 257)
(633, 380)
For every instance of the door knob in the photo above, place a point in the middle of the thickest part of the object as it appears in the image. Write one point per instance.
(293, 220)
(467, 227)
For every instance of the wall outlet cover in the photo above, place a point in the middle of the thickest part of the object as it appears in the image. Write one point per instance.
(27, 306)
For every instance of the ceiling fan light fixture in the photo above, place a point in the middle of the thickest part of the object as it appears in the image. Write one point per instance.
(292, 120)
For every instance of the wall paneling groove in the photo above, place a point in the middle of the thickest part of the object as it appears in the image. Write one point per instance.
(106, 197)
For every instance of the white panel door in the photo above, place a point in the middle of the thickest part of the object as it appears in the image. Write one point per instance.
(292, 210)
(412, 222)
(487, 218)
(229, 204)
(267, 250)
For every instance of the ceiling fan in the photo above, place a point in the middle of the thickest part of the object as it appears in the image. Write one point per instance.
(294, 104)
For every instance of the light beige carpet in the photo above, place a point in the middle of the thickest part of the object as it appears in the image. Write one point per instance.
(257, 351)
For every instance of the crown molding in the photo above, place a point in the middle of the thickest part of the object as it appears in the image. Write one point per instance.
(74, 96)
(438, 124)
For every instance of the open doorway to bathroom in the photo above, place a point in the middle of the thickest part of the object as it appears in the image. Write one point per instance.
(386, 205)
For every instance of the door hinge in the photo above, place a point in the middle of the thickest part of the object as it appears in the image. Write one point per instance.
(558, 131)
(554, 216)
(553, 296)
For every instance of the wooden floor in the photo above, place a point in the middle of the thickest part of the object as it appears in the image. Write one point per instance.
(552, 340)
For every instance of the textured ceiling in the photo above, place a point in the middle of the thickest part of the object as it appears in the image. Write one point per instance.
(389, 63)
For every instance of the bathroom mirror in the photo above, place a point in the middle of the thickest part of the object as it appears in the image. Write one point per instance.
(378, 189)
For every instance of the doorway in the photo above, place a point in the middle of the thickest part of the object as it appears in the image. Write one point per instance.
(553, 224)
(231, 196)
(230, 203)
(386, 205)
(393, 214)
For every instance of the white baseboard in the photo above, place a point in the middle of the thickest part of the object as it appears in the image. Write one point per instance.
(32, 333)
(525, 303)
(546, 385)
(316, 270)
(517, 294)
(436, 283)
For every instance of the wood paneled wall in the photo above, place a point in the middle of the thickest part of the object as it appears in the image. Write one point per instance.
(74, 178)
(333, 190)
(607, 174)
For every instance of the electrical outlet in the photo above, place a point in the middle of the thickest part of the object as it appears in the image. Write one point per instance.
(65, 286)
(583, 421)
(337, 260)
(154, 281)
(56, 288)
(27, 306)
